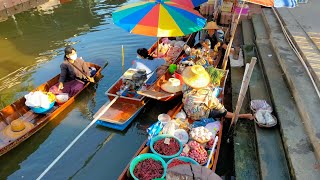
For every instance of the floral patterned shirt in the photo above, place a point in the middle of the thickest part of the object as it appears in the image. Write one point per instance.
(197, 103)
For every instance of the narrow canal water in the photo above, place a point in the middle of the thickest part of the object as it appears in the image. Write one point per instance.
(31, 49)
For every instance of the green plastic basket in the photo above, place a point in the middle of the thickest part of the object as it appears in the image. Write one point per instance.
(185, 159)
(142, 157)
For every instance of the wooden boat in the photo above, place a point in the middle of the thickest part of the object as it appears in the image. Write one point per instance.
(125, 175)
(154, 91)
(19, 110)
(124, 109)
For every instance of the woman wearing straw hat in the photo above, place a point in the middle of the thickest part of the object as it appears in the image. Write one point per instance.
(216, 37)
(198, 97)
(215, 34)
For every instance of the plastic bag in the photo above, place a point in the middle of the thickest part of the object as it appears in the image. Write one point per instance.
(169, 128)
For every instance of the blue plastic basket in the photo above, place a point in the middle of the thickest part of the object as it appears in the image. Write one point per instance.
(40, 110)
(159, 137)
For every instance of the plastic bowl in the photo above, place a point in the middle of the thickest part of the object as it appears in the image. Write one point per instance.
(40, 110)
(185, 159)
(142, 157)
(182, 135)
(159, 137)
(62, 98)
(164, 118)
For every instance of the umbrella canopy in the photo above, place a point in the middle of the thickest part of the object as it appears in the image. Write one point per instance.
(275, 3)
(189, 3)
(160, 18)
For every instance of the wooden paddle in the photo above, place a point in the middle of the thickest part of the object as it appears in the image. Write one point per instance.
(88, 77)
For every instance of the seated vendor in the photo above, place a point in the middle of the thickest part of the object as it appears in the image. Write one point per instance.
(214, 33)
(74, 74)
(199, 100)
(148, 63)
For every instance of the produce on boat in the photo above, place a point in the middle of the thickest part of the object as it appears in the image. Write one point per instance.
(18, 113)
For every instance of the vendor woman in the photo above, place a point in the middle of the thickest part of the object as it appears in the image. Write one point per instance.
(74, 74)
(199, 99)
(148, 63)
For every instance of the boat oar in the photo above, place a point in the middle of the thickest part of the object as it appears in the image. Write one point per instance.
(88, 77)
(105, 65)
(77, 138)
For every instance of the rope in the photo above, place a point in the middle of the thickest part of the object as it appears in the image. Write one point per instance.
(295, 50)
(76, 139)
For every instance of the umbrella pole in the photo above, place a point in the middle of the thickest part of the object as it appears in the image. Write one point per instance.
(226, 55)
(122, 52)
(158, 47)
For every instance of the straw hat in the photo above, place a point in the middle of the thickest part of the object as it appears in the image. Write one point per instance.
(196, 76)
(173, 85)
(16, 129)
(211, 25)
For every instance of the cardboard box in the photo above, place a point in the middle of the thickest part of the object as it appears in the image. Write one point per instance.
(226, 7)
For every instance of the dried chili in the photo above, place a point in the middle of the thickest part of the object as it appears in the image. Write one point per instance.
(148, 169)
(165, 149)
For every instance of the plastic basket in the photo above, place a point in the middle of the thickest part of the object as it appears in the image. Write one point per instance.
(159, 137)
(265, 125)
(185, 159)
(256, 105)
(142, 157)
(40, 110)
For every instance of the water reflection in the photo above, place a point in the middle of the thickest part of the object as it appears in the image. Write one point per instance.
(26, 38)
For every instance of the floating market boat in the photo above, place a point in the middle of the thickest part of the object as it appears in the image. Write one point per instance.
(18, 110)
(144, 148)
(129, 103)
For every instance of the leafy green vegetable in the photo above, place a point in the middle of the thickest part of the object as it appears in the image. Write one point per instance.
(215, 74)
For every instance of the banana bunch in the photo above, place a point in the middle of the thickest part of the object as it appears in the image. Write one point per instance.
(51, 96)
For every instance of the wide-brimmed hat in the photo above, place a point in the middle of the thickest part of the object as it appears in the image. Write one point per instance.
(196, 76)
(211, 25)
(173, 85)
(16, 129)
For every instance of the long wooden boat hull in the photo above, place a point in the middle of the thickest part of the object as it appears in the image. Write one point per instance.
(125, 175)
(122, 112)
(18, 109)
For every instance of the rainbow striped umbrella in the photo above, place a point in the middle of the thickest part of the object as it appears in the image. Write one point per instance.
(189, 3)
(160, 18)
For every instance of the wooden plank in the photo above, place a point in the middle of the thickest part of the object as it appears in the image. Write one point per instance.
(243, 90)
(155, 94)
